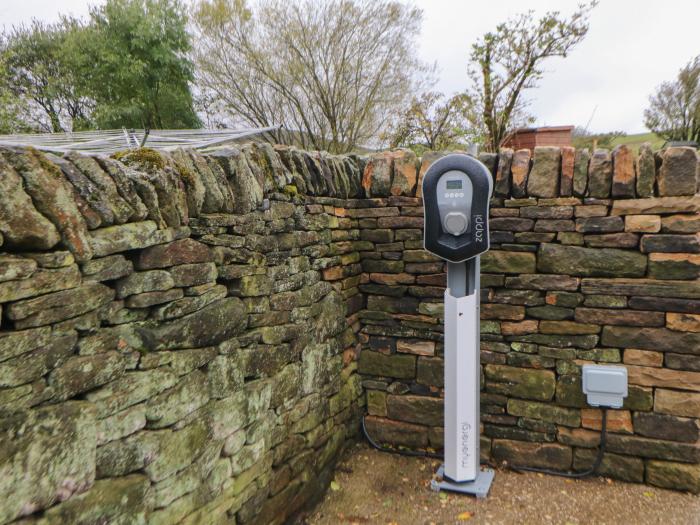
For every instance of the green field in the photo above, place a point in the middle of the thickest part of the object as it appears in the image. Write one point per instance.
(632, 141)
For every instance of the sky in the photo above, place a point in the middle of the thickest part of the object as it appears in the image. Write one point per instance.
(632, 46)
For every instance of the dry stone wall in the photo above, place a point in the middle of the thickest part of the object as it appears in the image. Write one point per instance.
(181, 335)
(170, 351)
(595, 258)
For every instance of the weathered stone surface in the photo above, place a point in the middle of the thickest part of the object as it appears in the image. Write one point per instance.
(613, 465)
(674, 266)
(397, 432)
(114, 239)
(52, 196)
(542, 455)
(663, 377)
(405, 173)
(216, 322)
(619, 317)
(21, 225)
(58, 306)
(498, 261)
(678, 172)
(501, 187)
(642, 223)
(623, 183)
(668, 427)
(664, 304)
(574, 260)
(146, 299)
(568, 417)
(29, 366)
(581, 161)
(680, 223)
(677, 403)
(398, 366)
(140, 282)
(643, 287)
(175, 403)
(415, 409)
(114, 500)
(568, 158)
(519, 382)
(100, 190)
(600, 174)
(543, 180)
(48, 456)
(660, 339)
(82, 373)
(542, 282)
(520, 168)
(599, 224)
(676, 476)
(670, 243)
(41, 282)
(683, 322)
(646, 171)
(13, 267)
(656, 205)
(376, 179)
(184, 251)
(653, 448)
(107, 268)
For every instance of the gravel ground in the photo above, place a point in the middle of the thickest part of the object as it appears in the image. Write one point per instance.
(373, 487)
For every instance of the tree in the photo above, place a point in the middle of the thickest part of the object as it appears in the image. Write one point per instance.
(132, 57)
(508, 61)
(674, 110)
(37, 72)
(434, 122)
(335, 71)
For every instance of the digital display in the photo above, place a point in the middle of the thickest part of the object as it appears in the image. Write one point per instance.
(453, 185)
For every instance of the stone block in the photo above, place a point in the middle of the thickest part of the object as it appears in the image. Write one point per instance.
(675, 476)
(624, 180)
(600, 174)
(659, 339)
(430, 371)
(656, 205)
(671, 243)
(678, 172)
(643, 223)
(619, 317)
(415, 409)
(634, 356)
(48, 456)
(501, 187)
(397, 433)
(680, 223)
(677, 403)
(542, 282)
(567, 417)
(615, 466)
(405, 173)
(398, 366)
(581, 160)
(543, 180)
(683, 322)
(619, 421)
(41, 282)
(588, 262)
(540, 455)
(107, 268)
(646, 171)
(568, 159)
(662, 426)
(376, 179)
(654, 448)
(520, 168)
(498, 261)
(599, 224)
(519, 382)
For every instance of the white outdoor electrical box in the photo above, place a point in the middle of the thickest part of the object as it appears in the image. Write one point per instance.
(605, 385)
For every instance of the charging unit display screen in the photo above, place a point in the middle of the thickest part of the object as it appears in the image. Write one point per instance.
(453, 185)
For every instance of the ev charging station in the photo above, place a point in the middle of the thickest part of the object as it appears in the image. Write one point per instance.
(456, 193)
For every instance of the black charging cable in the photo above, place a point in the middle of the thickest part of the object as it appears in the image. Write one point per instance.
(576, 475)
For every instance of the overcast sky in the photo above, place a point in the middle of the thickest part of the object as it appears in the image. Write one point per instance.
(631, 47)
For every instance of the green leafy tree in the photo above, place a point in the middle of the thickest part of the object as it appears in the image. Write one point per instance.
(434, 122)
(132, 57)
(335, 71)
(674, 110)
(35, 69)
(508, 61)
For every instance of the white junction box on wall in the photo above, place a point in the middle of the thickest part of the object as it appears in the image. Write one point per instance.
(605, 385)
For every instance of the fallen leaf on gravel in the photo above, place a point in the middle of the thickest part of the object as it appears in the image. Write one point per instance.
(443, 496)
(335, 486)
(464, 516)
(648, 494)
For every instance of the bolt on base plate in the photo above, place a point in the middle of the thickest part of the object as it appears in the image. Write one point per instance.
(479, 487)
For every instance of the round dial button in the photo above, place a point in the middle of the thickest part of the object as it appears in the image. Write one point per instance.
(455, 223)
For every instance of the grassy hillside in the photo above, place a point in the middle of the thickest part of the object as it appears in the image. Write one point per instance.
(632, 141)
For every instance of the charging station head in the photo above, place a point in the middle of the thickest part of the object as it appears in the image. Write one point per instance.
(456, 193)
